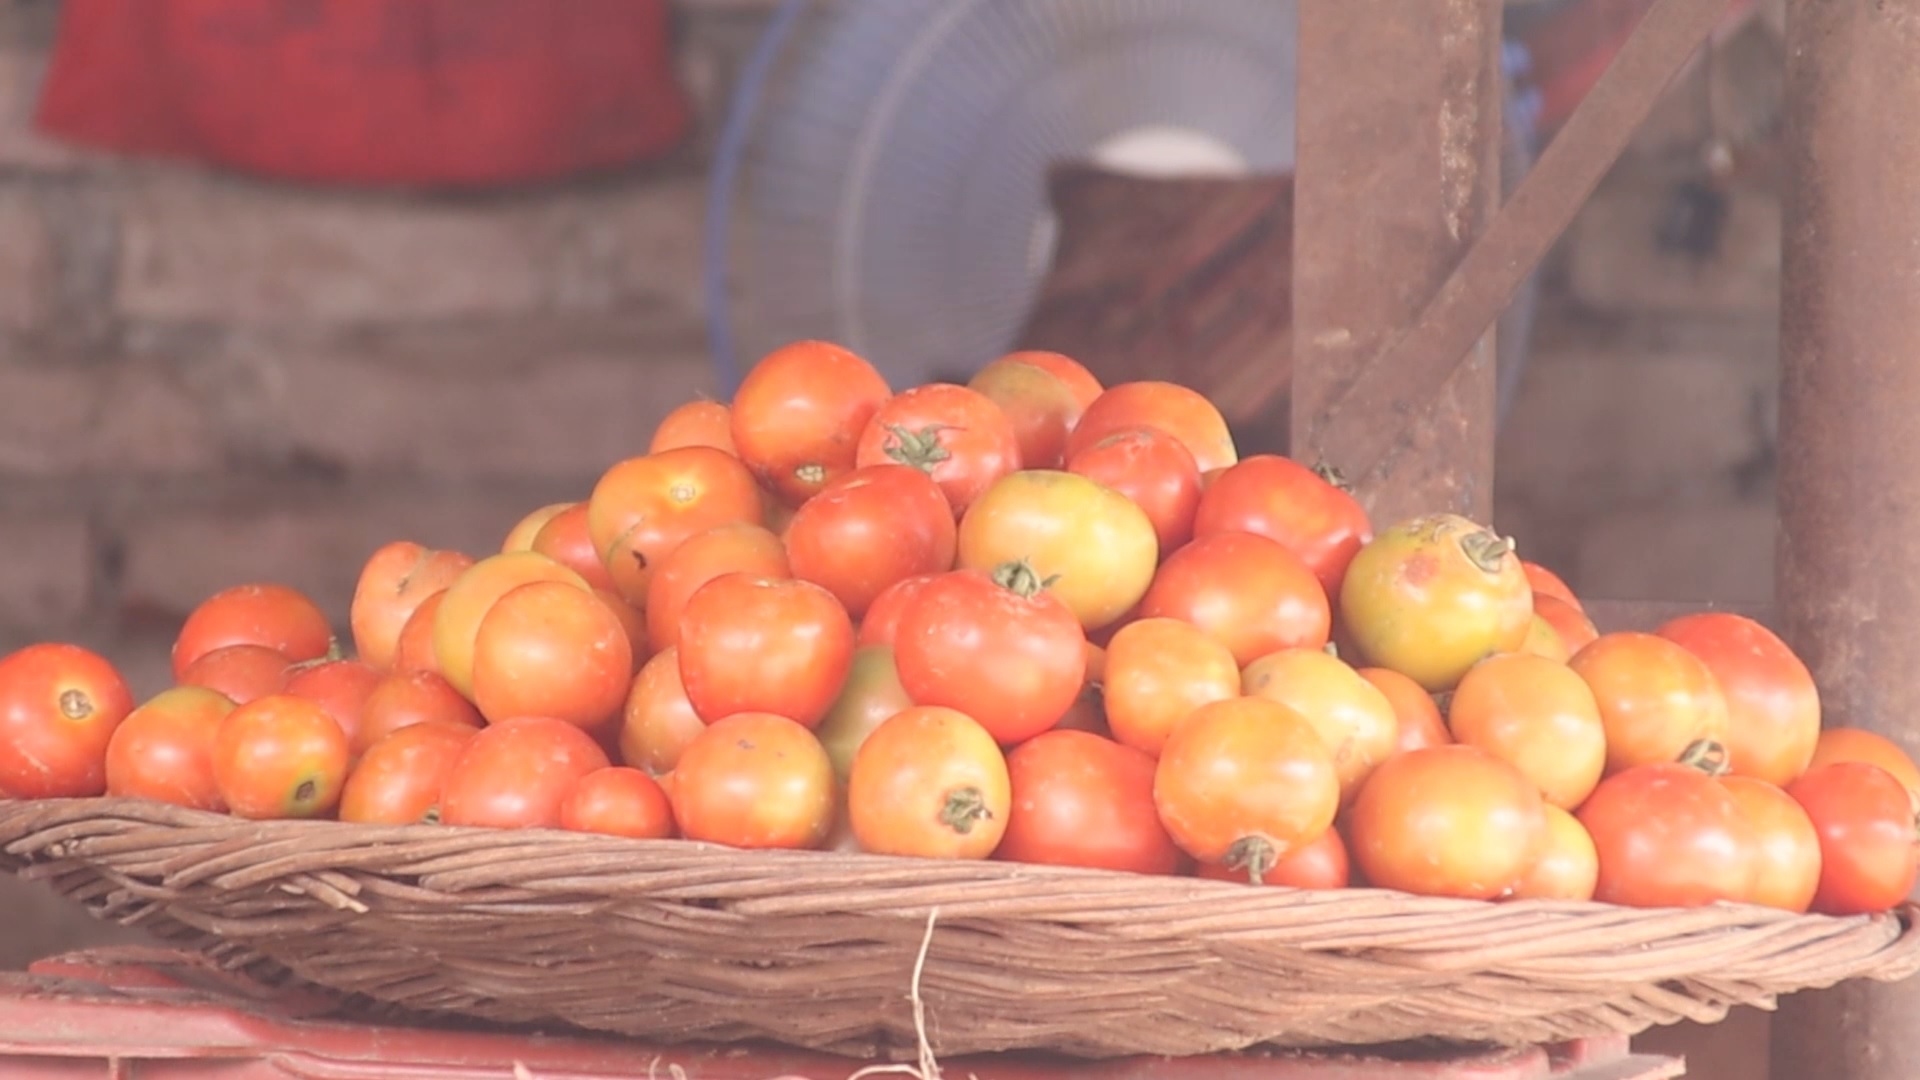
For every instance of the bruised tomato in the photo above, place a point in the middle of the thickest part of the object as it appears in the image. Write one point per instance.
(618, 801)
(1322, 864)
(1537, 716)
(871, 697)
(520, 537)
(1158, 671)
(1247, 592)
(1785, 844)
(1575, 629)
(1038, 404)
(515, 774)
(695, 423)
(1297, 507)
(1568, 867)
(643, 508)
(798, 416)
(929, 782)
(242, 673)
(1431, 597)
(882, 620)
(1858, 744)
(999, 647)
(59, 707)
(869, 530)
(1448, 821)
(280, 757)
(1081, 800)
(1669, 836)
(1658, 701)
(754, 780)
(1244, 783)
(1153, 469)
(457, 618)
(954, 435)
(275, 616)
(752, 644)
(1183, 413)
(550, 649)
(403, 699)
(566, 541)
(400, 779)
(1865, 823)
(339, 686)
(734, 548)
(1773, 708)
(392, 586)
(163, 750)
(1350, 714)
(1096, 548)
(1421, 724)
(658, 721)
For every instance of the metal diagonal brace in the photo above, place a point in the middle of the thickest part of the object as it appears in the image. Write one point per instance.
(1359, 429)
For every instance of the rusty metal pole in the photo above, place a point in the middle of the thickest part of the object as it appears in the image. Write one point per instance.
(1849, 555)
(1398, 170)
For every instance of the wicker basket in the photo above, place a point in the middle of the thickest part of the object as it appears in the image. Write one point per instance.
(678, 941)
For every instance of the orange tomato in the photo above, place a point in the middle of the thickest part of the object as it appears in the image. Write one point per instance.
(643, 508)
(1350, 714)
(241, 673)
(339, 686)
(403, 699)
(1247, 592)
(273, 616)
(754, 780)
(1544, 581)
(1155, 471)
(1094, 547)
(520, 537)
(751, 644)
(1157, 672)
(1072, 374)
(734, 548)
(565, 540)
(1539, 717)
(1773, 707)
(798, 415)
(1658, 701)
(1081, 800)
(1858, 744)
(280, 757)
(618, 801)
(550, 649)
(515, 774)
(1787, 847)
(457, 616)
(1421, 724)
(658, 722)
(1183, 413)
(393, 584)
(695, 423)
(957, 436)
(400, 779)
(1568, 867)
(1039, 405)
(1322, 864)
(1544, 641)
(1448, 821)
(929, 782)
(163, 750)
(1575, 629)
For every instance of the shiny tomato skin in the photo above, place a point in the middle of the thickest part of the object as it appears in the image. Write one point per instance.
(515, 774)
(163, 750)
(462, 608)
(1082, 383)
(1092, 543)
(392, 585)
(1575, 629)
(618, 801)
(658, 722)
(1154, 470)
(280, 757)
(798, 416)
(1538, 716)
(1450, 821)
(339, 686)
(403, 699)
(956, 436)
(734, 548)
(871, 697)
(1286, 502)
(1568, 867)
(1785, 843)
(1865, 822)
(1432, 596)
(1858, 744)
(931, 783)
(566, 541)
(1248, 592)
(550, 649)
(1039, 405)
(275, 616)
(1773, 707)
(695, 423)
(753, 644)
(400, 778)
(1669, 836)
(1081, 800)
(998, 647)
(869, 530)
(243, 673)
(520, 537)
(1657, 700)
(1244, 783)
(1421, 724)
(416, 651)
(643, 508)
(59, 707)
(1322, 864)
(1181, 412)
(1157, 672)
(1350, 714)
(881, 624)
(754, 780)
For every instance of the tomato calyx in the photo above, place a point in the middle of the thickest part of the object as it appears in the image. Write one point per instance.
(1485, 549)
(921, 449)
(1253, 854)
(1021, 579)
(963, 808)
(75, 704)
(1710, 756)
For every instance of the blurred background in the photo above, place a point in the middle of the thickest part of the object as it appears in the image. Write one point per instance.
(251, 328)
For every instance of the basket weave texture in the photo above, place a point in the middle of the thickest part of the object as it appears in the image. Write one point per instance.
(678, 941)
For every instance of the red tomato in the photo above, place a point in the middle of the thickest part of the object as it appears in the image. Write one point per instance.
(869, 530)
(753, 644)
(1448, 821)
(520, 537)
(415, 651)
(1244, 783)
(1072, 374)
(339, 686)
(872, 696)
(1575, 629)
(1858, 744)
(957, 436)
(1568, 867)
(618, 801)
(798, 416)
(1350, 714)
(998, 647)
(401, 777)
(393, 584)
(275, 616)
(931, 783)
(403, 699)
(457, 618)
(1537, 716)
(1544, 581)
(163, 750)
(1658, 701)
(1785, 843)
(1092, 543)
(645, 507)
(696, 423)
(242, 673)
(882, 622)
(1153, 469)
(1323, 864)
(1431, 597)
(515, 774)
(1180, 412)
(658, 722)
(1421, 724)
(1669, 836)
(1865, 822)
(280, 757)
(754, 780)
(59, 706)
(1040, 406)
(1293, 505)
(734, 548)
(1081, 800)
(1158, 671)
(550, 649)
(1773, 708)
(566, 541)
(1246, 591)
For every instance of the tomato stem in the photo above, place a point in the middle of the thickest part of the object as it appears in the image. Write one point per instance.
(1486, 549)
(921, 449)
(1020, 578)
(963, 807)
(1708, 755)
(1255, 855)
(75, 704)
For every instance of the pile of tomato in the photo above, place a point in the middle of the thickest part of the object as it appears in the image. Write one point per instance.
(1030, 618)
